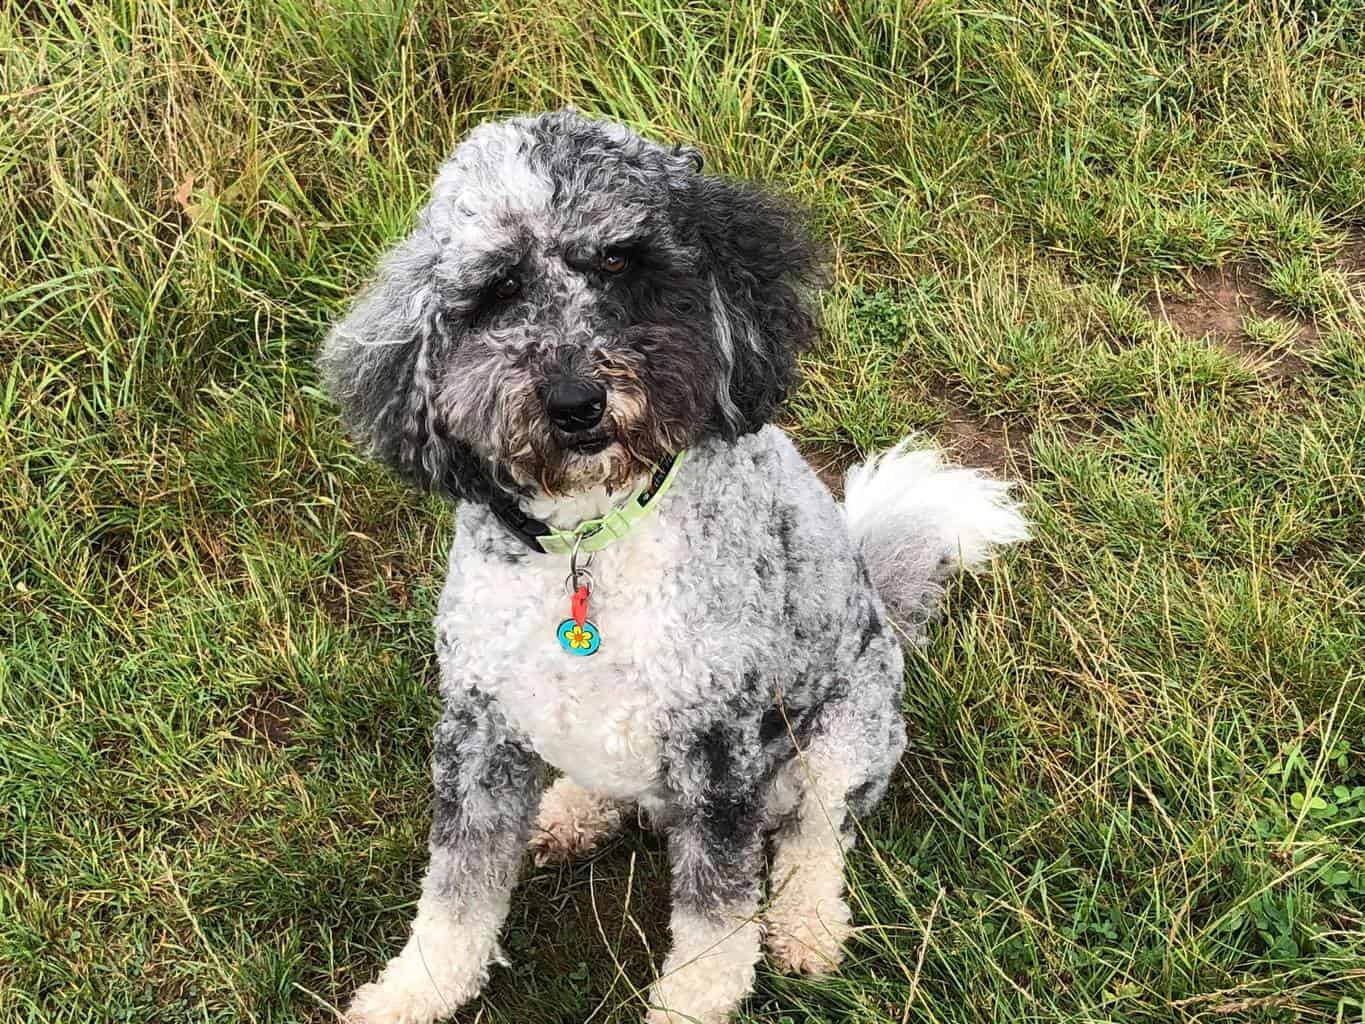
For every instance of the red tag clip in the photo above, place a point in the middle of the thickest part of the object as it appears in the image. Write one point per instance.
(580, 605)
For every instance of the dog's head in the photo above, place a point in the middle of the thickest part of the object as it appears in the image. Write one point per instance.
(575, 304)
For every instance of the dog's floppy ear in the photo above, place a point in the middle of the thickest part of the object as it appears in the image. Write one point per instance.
(379, 361)
(764, 266)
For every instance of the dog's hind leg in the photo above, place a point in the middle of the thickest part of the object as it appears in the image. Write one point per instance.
(844, 770)
(807, 919)
(573, 821)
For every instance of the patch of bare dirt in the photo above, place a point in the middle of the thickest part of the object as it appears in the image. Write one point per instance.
(266, 721)
(1351, 262)
(831, 462)
(991, 444)
(970, 440)
(1220, 298)
(978, 441)
(1217, 303)
(1352, 256)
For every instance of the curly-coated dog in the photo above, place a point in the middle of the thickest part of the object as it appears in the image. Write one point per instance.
(650, 592)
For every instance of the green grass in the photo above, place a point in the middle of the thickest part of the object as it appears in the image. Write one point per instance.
(1136, 790)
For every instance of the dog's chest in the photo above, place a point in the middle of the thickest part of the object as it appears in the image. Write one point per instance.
(594, 717)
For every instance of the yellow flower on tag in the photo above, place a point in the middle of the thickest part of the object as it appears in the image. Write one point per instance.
(579, 638)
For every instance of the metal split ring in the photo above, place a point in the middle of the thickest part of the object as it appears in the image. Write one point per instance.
(571, 581)
(575, 573)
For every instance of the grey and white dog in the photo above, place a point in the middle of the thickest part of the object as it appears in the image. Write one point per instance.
(575, 307)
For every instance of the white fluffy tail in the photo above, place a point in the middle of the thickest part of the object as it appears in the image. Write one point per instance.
(918, 521)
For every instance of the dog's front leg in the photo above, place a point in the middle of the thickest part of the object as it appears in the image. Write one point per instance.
(487, 783)
(717, 856)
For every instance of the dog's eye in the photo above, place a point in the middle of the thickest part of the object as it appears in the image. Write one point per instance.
(507, 287)
(613, 262)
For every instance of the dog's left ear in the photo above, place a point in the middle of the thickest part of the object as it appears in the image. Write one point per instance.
(765, 268)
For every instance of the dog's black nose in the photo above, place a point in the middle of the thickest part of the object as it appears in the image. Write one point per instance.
(576, 405)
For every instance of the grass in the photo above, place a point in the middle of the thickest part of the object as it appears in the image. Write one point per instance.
(1136, 790)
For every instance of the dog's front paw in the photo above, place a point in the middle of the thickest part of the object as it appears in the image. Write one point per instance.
(709, 970)
(808, 942)
(675, 1011)
(669, 1017)
(572, 821)
(383, 1003)
(429, 980)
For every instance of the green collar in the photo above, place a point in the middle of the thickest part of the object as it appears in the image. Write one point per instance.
(591, 534)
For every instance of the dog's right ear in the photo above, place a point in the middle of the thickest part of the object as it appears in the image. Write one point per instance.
(379, 364)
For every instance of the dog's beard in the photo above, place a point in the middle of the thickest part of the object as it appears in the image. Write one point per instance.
(626, 446)
(502, 414)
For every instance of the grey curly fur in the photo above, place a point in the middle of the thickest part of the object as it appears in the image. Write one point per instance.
(749, 680)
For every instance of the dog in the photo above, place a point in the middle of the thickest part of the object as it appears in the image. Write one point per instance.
(651, 598)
